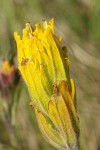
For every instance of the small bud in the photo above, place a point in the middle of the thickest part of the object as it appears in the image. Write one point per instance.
(9, 77)
(7, 72)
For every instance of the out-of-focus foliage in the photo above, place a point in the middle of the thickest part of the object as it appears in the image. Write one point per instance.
(79, 24)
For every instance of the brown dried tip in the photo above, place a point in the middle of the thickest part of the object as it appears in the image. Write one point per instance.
(24, 61)
(32, 104)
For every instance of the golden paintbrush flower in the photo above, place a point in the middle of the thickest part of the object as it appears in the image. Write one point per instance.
(44, 65)
(7, 72)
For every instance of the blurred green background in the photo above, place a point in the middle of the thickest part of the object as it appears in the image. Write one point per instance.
(78, 21)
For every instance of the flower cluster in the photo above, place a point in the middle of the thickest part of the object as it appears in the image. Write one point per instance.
(44, 65)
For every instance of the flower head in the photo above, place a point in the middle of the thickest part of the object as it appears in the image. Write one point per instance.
(44, 65)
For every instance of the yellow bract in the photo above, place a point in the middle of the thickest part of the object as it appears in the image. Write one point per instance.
(61, 126)
(49, 131)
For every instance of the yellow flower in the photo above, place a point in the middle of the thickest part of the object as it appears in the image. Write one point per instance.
(7, 68)
(42, 61)
(7, 72)
(44, 65)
